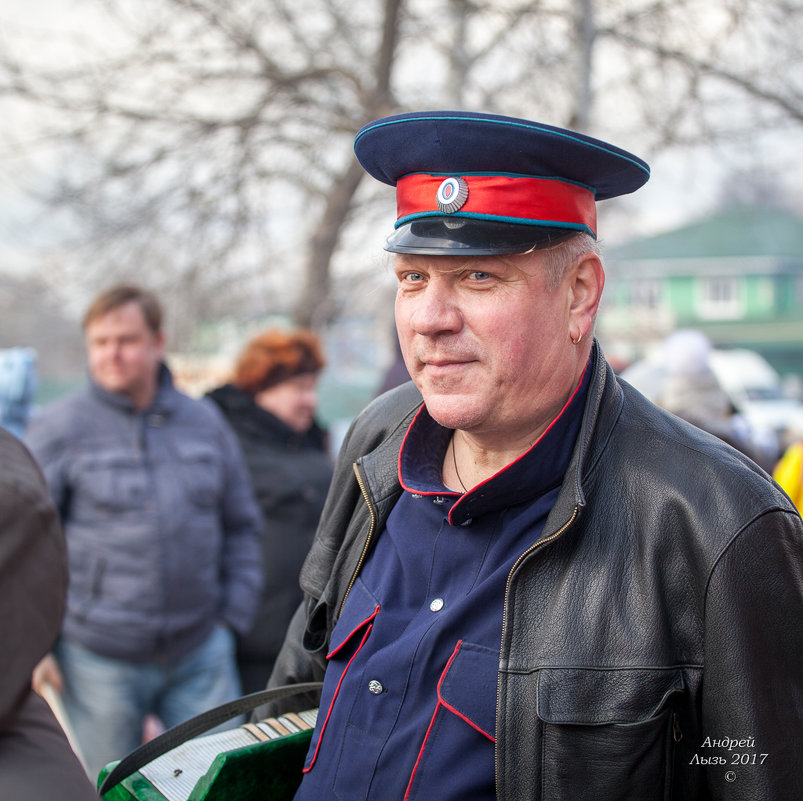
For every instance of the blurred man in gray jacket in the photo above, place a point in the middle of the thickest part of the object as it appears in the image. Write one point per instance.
(161, 528)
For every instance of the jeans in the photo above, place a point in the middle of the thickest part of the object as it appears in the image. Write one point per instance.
(106, 699)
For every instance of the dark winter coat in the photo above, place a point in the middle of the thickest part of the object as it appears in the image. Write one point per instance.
(290, 473)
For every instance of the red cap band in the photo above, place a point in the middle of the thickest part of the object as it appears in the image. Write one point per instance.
(504, 198)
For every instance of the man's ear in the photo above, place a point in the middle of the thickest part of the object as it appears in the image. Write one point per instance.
(587, 278)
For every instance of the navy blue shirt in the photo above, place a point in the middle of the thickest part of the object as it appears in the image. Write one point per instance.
(409, 700)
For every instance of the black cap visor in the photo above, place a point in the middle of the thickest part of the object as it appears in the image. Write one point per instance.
(439, 236)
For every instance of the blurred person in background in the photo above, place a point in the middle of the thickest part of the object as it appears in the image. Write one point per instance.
(788, 472)
(690, 390)
(161, 528)
(19, 382)
(36, 761)
(396, 373)
(271, 404)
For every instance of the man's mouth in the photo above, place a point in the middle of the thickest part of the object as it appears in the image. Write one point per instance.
(446, 366)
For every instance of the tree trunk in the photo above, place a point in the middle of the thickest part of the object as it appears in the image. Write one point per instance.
(316, 307)
(585, 36)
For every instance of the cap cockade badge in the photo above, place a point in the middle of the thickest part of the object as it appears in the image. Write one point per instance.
(452, 195)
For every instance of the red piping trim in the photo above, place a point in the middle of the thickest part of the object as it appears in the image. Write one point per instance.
(519, 458)
(453, 709)
(470, 722)
(308, 768)
(351, 633)
(399, 465)
(432, 721)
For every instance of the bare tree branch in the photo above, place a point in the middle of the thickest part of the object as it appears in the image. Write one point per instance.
(208, 150)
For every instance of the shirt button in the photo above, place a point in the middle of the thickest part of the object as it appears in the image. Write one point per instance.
(375, 687)
(436, 605)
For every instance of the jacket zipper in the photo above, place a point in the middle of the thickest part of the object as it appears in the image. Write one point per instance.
(537, 544)
(372, 512)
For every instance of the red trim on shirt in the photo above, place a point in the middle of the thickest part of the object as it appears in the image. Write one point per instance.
(432, 720)
(351, 633)
(427, 493)
(519, 458)
(462, 717)
(308, 768)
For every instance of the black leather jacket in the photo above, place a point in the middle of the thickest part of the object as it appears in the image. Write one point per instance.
(652, 641)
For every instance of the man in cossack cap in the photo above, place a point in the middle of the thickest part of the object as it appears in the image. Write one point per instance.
(528, 581)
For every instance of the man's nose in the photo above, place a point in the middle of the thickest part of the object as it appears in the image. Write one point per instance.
(436, 311)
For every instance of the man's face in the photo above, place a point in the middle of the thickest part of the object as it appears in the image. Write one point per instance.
(124, 354)
(485, 341)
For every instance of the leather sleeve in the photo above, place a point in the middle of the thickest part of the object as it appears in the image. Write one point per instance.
(752, 713)
(294, 665)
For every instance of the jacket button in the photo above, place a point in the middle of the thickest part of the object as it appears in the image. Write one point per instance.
(436, 604)
(375, 687)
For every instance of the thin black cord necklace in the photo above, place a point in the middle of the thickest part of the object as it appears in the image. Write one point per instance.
(454, 462)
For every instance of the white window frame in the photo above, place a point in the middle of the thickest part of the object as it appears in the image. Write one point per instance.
(720, 297)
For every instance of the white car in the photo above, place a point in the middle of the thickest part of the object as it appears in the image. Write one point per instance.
(756, 392)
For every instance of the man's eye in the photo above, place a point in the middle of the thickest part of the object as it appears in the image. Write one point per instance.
(479, 275)
(413, 277)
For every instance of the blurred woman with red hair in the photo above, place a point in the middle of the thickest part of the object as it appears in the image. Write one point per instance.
(271, 404)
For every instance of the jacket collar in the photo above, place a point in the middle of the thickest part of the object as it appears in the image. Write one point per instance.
(163, 403)
(603, 406)
(535, 472)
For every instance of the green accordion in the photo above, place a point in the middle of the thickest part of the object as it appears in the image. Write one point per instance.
(259, 761)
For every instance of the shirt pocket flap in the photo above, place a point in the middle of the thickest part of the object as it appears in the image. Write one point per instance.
(469, 687)
(597, 697)
(359, 611)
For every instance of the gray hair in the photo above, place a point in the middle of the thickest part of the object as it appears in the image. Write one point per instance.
(556, 259)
